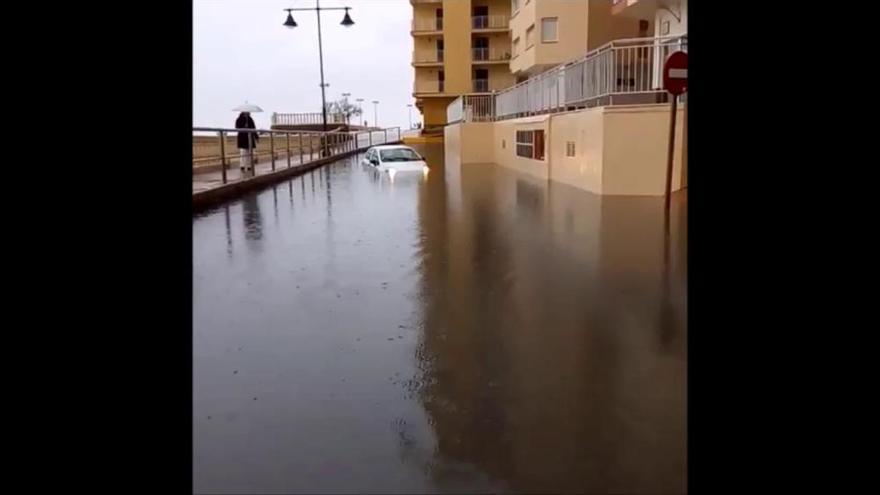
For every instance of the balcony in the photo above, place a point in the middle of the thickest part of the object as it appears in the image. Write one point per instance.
(636, 9)
(427, 26)
(490, 55)
(481, 85)
(490, 23)
(428, 58)
(427, 88)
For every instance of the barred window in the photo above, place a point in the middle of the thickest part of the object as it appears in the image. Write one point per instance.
(530, 144)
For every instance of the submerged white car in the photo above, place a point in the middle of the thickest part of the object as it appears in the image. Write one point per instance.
(395, 159)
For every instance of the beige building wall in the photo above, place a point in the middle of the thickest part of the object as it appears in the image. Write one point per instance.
(457, 45)
(617, 150)
(582, 25)
(585, 130)
(635, 149)
(434, 110)
(676, 19)
(504, 146)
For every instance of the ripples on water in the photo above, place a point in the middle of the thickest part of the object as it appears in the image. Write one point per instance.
(473, 330)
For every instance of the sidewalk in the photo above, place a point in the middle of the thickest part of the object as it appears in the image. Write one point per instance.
(203, 181)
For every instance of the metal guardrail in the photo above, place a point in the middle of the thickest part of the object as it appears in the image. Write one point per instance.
(614, 73)
(471, 108)
(328, 144)
(621, 67)
(493, 54)
(494, 21)
(306, 118)
(480, 85)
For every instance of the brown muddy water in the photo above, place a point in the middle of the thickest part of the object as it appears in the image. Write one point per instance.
(472, 330)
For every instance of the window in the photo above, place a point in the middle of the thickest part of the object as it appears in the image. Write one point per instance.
(549, 32)
(530, 36)
(503, 144)
(516, 47)
(399, 155)
(569, 148)
(514, 6)
(530, 144)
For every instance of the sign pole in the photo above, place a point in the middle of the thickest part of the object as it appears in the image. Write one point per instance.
(671, 153)
(675, 82)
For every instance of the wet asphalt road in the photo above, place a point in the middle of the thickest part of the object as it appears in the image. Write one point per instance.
(472, 330)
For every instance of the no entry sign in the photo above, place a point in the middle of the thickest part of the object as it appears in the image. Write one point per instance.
(675, 73)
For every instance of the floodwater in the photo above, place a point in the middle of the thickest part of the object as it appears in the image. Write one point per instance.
(475, 330)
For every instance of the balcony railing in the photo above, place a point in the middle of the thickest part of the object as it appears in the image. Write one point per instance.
(423, 25)
(471, 108)
(427, 57)
(621, 72)
(306, 118)
(490, 54)
(428, 87)
(494, 21)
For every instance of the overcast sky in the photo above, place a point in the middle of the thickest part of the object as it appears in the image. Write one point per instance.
(241, 51)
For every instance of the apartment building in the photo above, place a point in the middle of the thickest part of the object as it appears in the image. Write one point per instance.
(459, 47)
(546, 33)
(589, 108)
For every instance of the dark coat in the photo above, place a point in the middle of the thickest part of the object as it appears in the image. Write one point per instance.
(246, 122)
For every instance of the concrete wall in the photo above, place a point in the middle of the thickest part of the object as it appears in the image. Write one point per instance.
(434, 111)
(475, 137)
(572, 30)
(635, 148)
(504, 146)
(618, 150)
(585, 130)
(605, 27)
(457, 45)
(676, 27)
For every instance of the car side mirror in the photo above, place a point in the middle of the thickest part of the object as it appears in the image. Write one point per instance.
(374, 161)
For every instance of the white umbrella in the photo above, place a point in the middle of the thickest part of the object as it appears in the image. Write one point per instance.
(247, 107)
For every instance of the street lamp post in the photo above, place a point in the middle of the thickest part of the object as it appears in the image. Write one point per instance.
(347, 22)
(409, 109)
(376, 113)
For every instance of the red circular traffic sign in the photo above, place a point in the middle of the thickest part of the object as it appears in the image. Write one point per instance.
(675, 73)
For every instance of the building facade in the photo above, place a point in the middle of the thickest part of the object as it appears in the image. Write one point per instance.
(589, 108)
(459, 47)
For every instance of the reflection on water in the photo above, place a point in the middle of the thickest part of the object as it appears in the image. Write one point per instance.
(469, 330)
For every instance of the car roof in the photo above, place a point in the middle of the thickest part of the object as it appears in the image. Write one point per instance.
(391, 147)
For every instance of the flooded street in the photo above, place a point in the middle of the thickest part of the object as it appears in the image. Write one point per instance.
(472, 330)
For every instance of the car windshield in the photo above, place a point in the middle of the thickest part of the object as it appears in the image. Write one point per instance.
(399, 155)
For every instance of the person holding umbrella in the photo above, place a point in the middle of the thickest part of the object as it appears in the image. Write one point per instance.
(247, 141)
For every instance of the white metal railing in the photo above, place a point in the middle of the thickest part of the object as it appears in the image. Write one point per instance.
(494, 21)
(620, 68)
(427, 56)
(471, 108)
(427, 24)
(306, 118)
(216, 147)
(489, 54)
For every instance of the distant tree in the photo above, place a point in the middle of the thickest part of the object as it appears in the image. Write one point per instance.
(345, 108)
